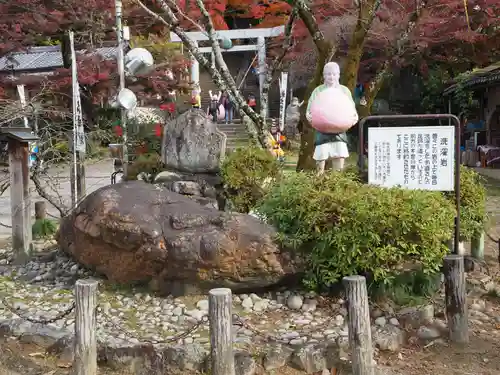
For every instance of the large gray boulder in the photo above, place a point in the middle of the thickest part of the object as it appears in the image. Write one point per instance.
(136, 232)
(192, 143)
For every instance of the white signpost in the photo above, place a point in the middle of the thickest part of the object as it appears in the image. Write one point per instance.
(412, 157)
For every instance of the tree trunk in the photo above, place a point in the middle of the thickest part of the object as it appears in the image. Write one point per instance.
(366, 15)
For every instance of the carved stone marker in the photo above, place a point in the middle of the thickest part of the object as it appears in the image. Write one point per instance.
(192, 143)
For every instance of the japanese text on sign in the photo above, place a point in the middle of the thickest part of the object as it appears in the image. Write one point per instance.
(412, 157)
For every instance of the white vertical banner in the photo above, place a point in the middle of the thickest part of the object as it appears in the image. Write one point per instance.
(283, 82)
(412, 157)
(22, 99)
(78, 131)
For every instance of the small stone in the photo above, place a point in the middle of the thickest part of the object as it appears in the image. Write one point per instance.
(195, 314)
(427, 314)
(297, 341)
(302, 322)
(310, 359)
(247, 303)
(255, 297)
(476, 307)
(244, 364)
(290, 335)
(389, 338)
(306, 307)
(202, 305)
(178, 311)
(381, 321)
(394, 322)
(427, 333)
(277, 357)
(339, 320)
(260, 305)
(440, 325)
(294, 302)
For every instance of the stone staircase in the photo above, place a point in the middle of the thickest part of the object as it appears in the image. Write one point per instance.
(236, 133)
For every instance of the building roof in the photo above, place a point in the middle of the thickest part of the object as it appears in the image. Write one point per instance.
(480, 77)
(43, 59)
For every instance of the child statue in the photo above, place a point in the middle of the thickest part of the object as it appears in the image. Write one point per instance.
(329, 145)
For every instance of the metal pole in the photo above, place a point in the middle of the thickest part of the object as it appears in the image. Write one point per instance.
(121, 73)
(74, 81)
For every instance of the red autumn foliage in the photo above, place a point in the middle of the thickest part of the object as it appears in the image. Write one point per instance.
(27, 23)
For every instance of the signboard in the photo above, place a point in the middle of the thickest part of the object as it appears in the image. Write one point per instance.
(283, 86)
(412, 157)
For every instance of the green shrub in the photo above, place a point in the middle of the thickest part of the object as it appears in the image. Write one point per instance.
(472, 203)
(344, 227)
(246, 174)
(43, 228)
(411, 287)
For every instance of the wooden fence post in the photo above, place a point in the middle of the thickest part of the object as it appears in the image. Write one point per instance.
(456, 299)
(40, 210)
(220, 303)
(20, 200)
(360, 333)
(85, 362)
(477, 246)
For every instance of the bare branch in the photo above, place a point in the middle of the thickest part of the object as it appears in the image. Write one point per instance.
(306, 15)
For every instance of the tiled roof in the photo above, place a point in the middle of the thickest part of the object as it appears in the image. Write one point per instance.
(489, 75)
(43, 58)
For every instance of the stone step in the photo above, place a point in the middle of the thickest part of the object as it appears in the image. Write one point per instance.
(233, 131)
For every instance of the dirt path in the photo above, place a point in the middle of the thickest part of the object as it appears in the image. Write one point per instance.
(481, 356)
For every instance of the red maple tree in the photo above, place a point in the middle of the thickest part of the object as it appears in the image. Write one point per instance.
(28, 23)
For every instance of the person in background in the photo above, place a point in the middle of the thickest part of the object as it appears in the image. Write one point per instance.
(214, 104)
(252, 101)
(228, 106)
(196, 99)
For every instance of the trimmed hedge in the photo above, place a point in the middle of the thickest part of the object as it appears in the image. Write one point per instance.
(344, 227)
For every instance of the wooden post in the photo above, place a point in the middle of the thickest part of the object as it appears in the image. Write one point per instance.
(85, 362)
(456, 298)
(360, 333)
(40, 210)
(80, 175)
(220, 304)
(20, 200)
(477, 246)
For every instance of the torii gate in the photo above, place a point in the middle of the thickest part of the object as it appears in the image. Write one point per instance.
(260, 47)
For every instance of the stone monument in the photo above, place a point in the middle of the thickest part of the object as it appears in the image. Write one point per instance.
(192, 151)
(193, 144)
